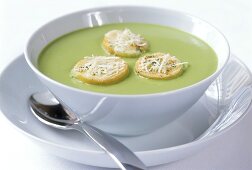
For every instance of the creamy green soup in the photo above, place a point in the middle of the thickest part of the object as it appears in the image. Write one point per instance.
(58, 58)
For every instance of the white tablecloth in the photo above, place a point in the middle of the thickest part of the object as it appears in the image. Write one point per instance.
(19, 18)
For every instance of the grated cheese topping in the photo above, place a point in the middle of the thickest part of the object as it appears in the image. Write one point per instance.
(125, 40)
(159, 63)
(101, 66)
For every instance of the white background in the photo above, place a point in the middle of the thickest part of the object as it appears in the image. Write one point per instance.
(19, 18)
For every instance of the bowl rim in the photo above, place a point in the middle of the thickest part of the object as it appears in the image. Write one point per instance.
(40, 74)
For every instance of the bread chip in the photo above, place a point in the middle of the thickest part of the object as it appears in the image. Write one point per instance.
(100, 70)
(159, 66)
(124, 43)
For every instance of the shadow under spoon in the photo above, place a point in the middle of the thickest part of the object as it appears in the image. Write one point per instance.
(49, 111)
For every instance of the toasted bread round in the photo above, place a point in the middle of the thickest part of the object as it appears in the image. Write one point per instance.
(100, 70)
(159, 66)
(124, 43)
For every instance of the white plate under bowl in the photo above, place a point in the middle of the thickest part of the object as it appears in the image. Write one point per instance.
(170, 143)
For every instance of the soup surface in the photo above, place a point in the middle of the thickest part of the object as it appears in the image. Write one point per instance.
(58, 58)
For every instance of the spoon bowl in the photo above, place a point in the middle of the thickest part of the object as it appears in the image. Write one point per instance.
(48, 110)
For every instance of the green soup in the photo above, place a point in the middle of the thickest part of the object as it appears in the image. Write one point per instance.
(58, 58)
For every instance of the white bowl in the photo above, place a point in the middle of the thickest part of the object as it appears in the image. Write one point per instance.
(127, 114)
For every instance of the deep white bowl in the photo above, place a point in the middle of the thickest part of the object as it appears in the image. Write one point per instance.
(127, 114)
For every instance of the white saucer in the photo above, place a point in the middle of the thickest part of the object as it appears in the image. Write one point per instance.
(170, 143)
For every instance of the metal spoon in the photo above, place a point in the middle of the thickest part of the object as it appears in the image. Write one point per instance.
(49, 111)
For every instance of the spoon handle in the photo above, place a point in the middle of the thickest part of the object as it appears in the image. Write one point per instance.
(121, 155)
